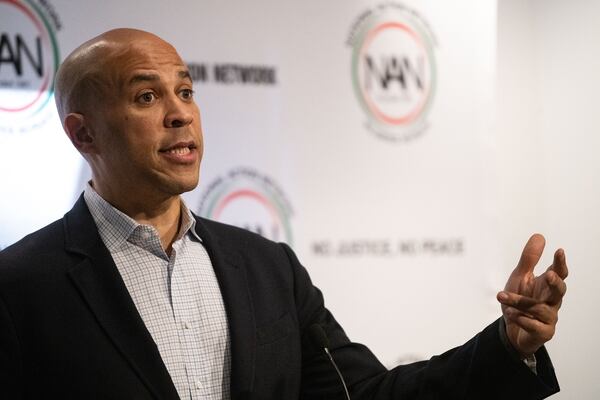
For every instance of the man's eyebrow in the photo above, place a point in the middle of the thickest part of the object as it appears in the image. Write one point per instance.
(185, 74)
(143, 78)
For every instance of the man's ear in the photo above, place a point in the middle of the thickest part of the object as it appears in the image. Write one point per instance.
(79, 133)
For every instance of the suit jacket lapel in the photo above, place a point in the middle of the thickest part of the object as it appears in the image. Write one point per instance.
(231, 274)
(102, 288)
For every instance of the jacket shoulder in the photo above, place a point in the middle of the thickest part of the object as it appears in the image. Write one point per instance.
(35, 246)
(234, 235)
(259, 254)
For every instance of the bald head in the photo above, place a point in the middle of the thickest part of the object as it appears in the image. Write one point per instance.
(125, 99)
(87, 76)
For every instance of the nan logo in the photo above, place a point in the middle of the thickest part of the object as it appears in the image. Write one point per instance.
(393, 70)
(250, 200)
(29, 59)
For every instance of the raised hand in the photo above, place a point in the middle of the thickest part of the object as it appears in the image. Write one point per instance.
(530, 303)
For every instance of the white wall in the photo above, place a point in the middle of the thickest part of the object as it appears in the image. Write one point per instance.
(490, 182)
(547, 138)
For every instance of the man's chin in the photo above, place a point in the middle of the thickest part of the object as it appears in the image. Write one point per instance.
(180, 186)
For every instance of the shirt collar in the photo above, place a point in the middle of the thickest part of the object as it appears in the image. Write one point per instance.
(188, 222)
(115, 227)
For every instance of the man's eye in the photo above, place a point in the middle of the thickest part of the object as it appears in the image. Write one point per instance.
(147, 97)
(187, 94)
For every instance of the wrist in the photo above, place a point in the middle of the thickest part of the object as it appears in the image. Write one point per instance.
(529, 360)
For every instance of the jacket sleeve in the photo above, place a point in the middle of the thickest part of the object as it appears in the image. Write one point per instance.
(480, 369)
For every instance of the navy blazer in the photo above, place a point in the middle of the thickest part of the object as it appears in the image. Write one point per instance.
(70, 330)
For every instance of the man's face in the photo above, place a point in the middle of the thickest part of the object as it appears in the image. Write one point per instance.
(147, 125)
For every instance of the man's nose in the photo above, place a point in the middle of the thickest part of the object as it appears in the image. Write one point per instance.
(178, 113)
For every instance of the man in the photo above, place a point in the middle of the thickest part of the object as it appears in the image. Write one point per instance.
(130, 296)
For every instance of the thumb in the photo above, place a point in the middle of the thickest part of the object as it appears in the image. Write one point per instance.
(531, 254)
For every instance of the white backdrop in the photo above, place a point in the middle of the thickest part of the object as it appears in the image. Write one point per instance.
(548, 169)
(408, 236)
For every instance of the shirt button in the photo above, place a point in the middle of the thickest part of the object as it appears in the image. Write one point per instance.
(198, 384)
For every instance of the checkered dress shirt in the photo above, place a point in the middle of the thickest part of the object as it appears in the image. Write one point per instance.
(177, 296)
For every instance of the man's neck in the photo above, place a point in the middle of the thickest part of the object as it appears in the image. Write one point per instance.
(163, 213)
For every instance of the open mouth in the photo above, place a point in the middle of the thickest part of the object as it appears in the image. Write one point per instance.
(179, 149)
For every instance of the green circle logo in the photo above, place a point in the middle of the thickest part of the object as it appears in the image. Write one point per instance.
(393, 71)
(29, 58)
(249, 200)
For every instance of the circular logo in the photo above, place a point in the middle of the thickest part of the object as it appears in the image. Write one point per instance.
(249, 200)
(393, 71)
(29, 59)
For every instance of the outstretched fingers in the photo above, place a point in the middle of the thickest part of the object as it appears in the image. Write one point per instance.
(530, 304)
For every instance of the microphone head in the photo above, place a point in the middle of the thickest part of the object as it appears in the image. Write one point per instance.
(318, 336)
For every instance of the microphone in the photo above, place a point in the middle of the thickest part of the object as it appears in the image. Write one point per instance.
(320, 339)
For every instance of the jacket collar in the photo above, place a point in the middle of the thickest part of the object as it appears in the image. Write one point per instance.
(103, 289)
(230, 270)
